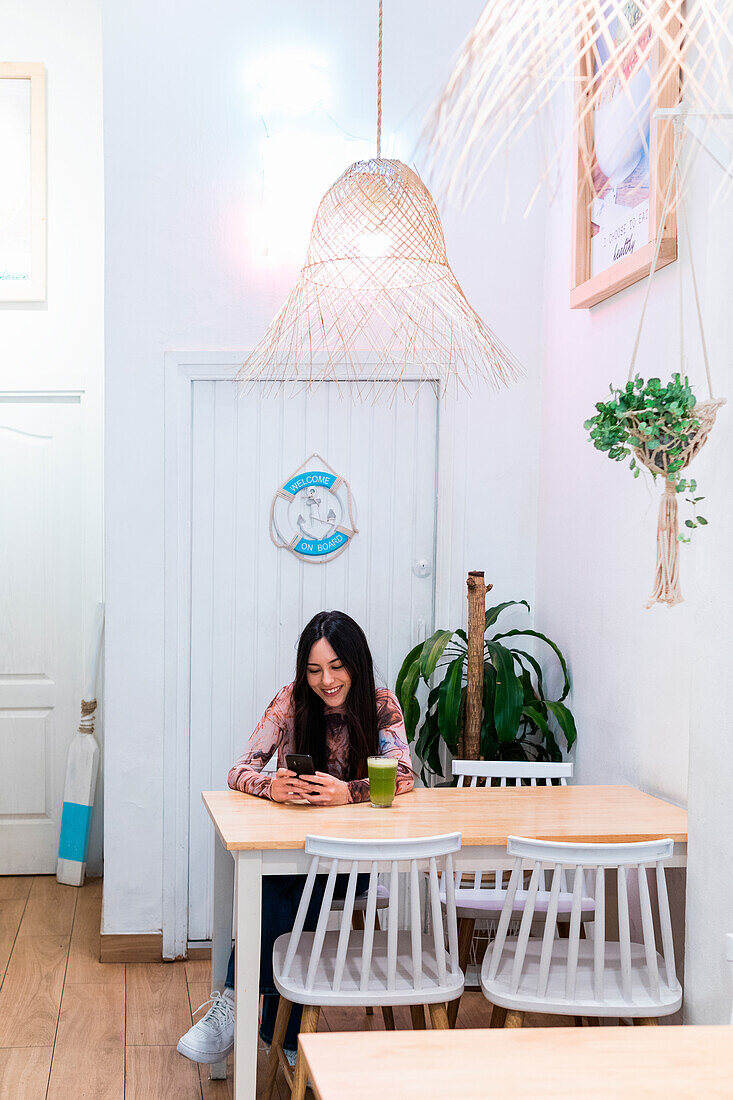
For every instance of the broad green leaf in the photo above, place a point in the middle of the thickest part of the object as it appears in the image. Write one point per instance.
(412, 658)
(432, 651)
(508, 694)
(493, 613)
(411, 712)
(488, 698)
(565, 721)
(521, 653)
(449, 704)
(406, 689)
(553, 647)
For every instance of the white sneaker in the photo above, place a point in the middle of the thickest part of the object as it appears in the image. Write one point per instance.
(212, 1038)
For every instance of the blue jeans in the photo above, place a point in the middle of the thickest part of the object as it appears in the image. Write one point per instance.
(280, 900)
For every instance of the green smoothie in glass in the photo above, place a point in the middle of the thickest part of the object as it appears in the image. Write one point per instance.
(382, 780)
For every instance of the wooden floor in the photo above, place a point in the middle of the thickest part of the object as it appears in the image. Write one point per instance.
(71, 1026)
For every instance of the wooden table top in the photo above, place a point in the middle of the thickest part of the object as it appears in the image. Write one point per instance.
(568, 1062)
(484, 816)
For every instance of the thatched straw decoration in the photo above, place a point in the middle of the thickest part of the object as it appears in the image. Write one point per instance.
(376, 301)
(521, 52)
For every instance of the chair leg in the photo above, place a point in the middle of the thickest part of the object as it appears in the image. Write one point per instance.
(466, 927)
(439, 1017)
(498, 1016)
(284, 1009)
(646, 1021)
(300, 1077)
(388, 1017)
(514, 1019)
(417, 1013)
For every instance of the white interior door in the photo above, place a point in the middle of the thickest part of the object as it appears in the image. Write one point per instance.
(250, 600)
(41, 544)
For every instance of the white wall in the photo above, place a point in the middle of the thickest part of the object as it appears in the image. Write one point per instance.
(651, 687)
(200, 255)
(58, 344)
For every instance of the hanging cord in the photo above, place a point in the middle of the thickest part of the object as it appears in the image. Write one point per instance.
(673, 175)
(697, 299)
(379, 86)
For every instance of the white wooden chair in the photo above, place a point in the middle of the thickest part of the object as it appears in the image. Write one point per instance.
(597, 977)
(480, 895)
(729, 945)
(370, 967)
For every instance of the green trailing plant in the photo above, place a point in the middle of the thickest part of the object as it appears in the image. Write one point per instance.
(651, 423)
(519, 720)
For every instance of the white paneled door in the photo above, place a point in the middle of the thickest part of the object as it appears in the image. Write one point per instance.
(41, 542)
(250, 600)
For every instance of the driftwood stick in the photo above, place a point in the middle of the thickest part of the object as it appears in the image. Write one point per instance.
(475, 671)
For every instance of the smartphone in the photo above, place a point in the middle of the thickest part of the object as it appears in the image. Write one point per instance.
(300, 763)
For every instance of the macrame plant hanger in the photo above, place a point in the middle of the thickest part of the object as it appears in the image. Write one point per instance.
(667, 587)
(376, 303)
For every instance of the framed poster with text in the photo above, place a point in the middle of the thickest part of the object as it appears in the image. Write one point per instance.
(22, 182)
(624, 156)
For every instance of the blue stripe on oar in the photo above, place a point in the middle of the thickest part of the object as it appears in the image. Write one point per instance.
(75, 822)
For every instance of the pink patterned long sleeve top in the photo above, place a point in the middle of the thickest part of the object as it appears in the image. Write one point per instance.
(276, 733)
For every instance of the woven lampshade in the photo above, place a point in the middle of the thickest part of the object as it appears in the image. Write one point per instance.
(522, 52)
(376, 300)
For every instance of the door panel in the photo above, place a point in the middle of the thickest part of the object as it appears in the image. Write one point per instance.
(250, 600)
(40, 622)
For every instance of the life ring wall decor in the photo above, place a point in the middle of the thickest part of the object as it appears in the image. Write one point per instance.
(312, 513)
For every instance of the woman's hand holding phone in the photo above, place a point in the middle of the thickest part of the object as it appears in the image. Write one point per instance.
(326, 790)
(319, 789)
(286, 785)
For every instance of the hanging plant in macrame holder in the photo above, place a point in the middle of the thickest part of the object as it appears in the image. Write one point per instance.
(658, 460)
(662, 427)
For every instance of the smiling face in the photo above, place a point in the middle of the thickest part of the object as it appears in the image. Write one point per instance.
(327, 675)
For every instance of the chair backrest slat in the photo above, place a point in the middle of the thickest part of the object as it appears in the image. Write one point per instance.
(437, 921)
(392, 926)
(322, 924)
(665, 924)
(506, 916)
(305, 900)
(450, 913)
(548, 936)
(647, 927)
(574, 933)
(624, 932)
(345, 930)
(415, 926)
(370, 919)
(525, 926)
(599, 933)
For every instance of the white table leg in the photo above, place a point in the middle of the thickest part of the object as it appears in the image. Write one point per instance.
(221, 940)
(247, 972)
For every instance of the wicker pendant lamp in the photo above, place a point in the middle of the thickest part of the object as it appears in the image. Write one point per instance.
(376, 301)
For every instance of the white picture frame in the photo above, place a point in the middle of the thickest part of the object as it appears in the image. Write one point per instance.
(23, 182)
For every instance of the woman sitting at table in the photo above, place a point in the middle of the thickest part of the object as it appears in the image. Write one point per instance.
(334, 713)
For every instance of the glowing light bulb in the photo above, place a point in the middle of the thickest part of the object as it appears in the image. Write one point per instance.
(374, 244)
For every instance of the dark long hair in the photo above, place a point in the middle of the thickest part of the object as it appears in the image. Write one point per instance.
(351, 647)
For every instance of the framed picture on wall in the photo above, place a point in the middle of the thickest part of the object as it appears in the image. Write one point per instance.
(624, 156)
(22, 182)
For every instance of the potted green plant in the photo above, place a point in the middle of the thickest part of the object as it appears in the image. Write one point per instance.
(519, 720)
